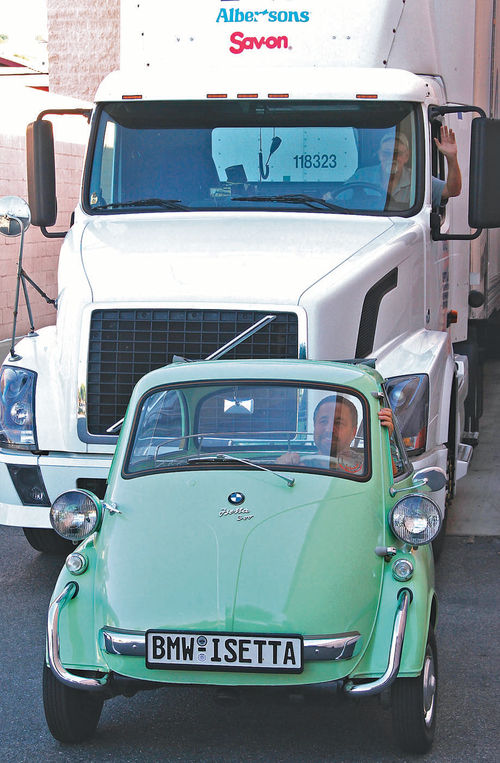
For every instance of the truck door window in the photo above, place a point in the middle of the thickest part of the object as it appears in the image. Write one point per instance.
(438, 161)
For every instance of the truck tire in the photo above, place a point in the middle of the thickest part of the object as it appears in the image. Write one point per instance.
(414, 702)
(72, 715)
(474, 400)
(438, 542)
(48, 541)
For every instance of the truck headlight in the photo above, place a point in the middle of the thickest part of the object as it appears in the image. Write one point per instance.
(74, 515)
(17, 408)
(415, 519)
(409, 399)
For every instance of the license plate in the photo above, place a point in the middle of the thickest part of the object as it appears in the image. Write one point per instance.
(224, 651)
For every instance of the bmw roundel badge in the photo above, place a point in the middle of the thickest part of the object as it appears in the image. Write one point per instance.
(236, 499)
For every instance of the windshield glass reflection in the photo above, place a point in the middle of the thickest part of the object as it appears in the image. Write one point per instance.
(273, 425)
(329, 157)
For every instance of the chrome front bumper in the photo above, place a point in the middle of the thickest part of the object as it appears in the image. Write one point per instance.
(392, 670)
(133, 643)
(69, 591)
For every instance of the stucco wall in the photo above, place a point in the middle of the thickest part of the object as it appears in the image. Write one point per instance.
(84, 44)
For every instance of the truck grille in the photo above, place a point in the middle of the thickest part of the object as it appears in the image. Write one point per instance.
(126, 344)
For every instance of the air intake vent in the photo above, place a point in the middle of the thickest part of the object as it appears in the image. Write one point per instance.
(126, 344)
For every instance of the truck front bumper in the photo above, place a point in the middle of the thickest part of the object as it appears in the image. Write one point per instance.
(53, 474)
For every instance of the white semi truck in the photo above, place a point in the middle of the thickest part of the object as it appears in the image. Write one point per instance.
(233, 172)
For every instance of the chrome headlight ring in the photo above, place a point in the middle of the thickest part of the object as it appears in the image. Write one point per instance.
(415, 519)
(76, 514)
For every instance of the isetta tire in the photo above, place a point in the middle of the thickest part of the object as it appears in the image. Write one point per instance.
(414, 702)
(48, 541)
(72, 714)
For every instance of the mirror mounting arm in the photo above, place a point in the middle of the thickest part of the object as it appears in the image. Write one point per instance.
(57, 234)
(440, 111)
(436, 234)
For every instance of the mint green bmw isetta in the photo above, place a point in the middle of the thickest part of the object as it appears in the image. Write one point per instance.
(290, 533)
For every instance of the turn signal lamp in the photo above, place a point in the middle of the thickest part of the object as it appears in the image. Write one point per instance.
(76, 563)
(402, 570)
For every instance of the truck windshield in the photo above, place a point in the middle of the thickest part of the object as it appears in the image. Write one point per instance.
(329, 157)
(262, 424)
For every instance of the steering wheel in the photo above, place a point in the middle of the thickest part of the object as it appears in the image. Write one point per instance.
(366, 194)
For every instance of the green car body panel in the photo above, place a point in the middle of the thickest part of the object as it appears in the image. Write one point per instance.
(297, 560)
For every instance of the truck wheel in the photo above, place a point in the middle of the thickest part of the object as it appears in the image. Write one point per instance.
(48, 541)
(414, 702)
(72, 715)
(438, 542)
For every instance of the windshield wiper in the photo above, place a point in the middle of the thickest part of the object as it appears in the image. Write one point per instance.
(294, 198)
(163, 203)
(224, 457)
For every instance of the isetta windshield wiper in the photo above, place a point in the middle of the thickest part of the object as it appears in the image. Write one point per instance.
(294, 198)
(175, 204)
(224, 457)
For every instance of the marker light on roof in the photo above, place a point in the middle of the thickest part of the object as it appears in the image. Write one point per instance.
(216, 95)
(368, 96)
(278, 95)
(247, 95)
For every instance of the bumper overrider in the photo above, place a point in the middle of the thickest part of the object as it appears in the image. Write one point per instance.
(133, 643)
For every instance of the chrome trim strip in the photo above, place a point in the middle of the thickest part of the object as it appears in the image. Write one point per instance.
(394, 661)
(69, 591)
(126, 643)
(341, 647)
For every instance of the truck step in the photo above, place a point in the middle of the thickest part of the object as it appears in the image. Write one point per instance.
(464, 457)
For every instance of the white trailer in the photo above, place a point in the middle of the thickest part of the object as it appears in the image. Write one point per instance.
(233, 171)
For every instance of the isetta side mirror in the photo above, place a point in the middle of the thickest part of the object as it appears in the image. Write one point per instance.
(432, 477)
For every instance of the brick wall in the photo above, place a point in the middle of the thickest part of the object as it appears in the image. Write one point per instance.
(40, 254)
(84, 44)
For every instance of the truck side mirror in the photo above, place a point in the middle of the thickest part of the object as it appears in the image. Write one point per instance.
(15, 216)
(484, 188)
(41, 173)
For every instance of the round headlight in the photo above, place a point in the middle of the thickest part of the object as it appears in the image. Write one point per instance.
(75, 514)
(415, 519)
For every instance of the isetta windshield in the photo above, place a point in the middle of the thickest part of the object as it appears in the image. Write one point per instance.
(277, 426)
(318, 156)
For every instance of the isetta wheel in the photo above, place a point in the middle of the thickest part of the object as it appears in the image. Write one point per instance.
(414, 702)
(72, 714)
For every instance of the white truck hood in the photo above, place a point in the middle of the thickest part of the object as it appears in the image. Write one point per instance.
(194, 257)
